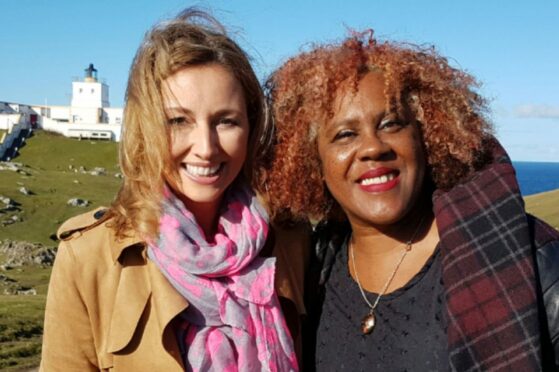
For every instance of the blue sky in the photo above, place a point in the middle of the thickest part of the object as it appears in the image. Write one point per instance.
(510, 46)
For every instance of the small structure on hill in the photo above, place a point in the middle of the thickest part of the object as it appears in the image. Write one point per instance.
(89, 115)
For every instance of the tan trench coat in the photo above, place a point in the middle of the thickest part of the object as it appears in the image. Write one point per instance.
(109, 308)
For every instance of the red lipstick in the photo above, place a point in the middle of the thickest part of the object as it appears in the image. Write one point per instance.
(379, 187)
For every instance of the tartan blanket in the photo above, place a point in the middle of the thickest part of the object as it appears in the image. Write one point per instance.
(488, 272)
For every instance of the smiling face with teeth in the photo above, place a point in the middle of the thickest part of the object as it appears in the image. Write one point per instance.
(207, 116)
(373, 161)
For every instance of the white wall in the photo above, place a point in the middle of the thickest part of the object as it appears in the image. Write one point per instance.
(114, 115)
(59, 113)
(59, 118)
(85, 115)
(68, 129)
(90, 94)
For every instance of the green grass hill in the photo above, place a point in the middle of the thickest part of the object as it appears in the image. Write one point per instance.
(545, 206)
(51, 172)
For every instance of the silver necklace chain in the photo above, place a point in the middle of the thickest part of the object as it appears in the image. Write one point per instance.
(408, 246)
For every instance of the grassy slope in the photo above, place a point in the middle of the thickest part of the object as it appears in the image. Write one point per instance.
(545, 206)
(47, 158)
(21, 321)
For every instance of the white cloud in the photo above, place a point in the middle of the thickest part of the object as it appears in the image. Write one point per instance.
(537, 111)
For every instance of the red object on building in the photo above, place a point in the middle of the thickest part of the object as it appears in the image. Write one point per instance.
(33, 120)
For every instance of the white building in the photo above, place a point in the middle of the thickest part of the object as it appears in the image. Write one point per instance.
(88, 116)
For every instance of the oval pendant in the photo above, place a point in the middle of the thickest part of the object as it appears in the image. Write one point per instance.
(368, 323)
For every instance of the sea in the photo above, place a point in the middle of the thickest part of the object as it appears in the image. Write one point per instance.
(536, 177)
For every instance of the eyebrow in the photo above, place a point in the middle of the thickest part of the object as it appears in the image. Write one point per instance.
(353, 119)
(179, 110)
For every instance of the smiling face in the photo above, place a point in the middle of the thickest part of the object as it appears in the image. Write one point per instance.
(372, 160)
(206, 111)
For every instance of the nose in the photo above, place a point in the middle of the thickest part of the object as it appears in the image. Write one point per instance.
(372, 147)
(205, 141)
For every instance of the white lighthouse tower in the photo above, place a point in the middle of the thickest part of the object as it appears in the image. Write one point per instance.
(89, 97)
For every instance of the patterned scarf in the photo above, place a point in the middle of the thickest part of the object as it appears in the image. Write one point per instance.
(234, 319)
(488, 272)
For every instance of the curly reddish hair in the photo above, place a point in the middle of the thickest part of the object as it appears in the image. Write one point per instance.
(450, 114)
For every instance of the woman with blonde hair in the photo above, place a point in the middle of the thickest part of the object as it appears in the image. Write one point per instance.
(184, 270)
(425, 257)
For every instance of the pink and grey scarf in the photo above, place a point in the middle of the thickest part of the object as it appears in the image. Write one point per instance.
(234, 319)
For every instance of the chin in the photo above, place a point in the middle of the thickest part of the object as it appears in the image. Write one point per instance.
(384, 217)
(201, 197)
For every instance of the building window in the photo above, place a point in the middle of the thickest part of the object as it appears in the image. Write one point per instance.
(92, 91)
(81, 90)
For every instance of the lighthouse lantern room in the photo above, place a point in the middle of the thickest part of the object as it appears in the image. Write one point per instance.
(90, 92)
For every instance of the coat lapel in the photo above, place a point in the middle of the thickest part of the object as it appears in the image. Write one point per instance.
(167, 302)
(140, 282)
(131, 297)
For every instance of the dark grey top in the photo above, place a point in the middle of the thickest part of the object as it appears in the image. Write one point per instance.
(409, 334)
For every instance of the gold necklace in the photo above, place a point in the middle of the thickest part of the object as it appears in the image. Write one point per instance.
(369, 320)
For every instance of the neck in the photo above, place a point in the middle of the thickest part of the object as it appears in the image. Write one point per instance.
(206, 215)
(375, 240)
(377, 251)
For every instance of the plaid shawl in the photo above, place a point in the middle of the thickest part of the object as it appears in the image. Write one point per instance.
(488, 272)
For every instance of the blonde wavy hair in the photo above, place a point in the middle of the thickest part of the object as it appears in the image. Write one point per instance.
(192, 38)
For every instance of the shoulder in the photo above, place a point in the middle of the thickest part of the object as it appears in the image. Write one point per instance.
(541, 232)
(292, 231)
(291, 247)
(545, 240)
(76, 225)
(90, 237)
(84, 240)
(546, 243)
(291, 241)
(328, 238)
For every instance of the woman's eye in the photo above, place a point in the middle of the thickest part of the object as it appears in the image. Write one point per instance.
(176, 121)
(227, 122)
(346, 133)
(391, 125)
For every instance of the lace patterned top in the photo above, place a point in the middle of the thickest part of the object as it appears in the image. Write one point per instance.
(409, 334)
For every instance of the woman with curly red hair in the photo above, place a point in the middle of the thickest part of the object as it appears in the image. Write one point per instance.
(425, 256)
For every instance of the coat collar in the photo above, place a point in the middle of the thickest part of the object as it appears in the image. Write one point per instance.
(131, 238)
